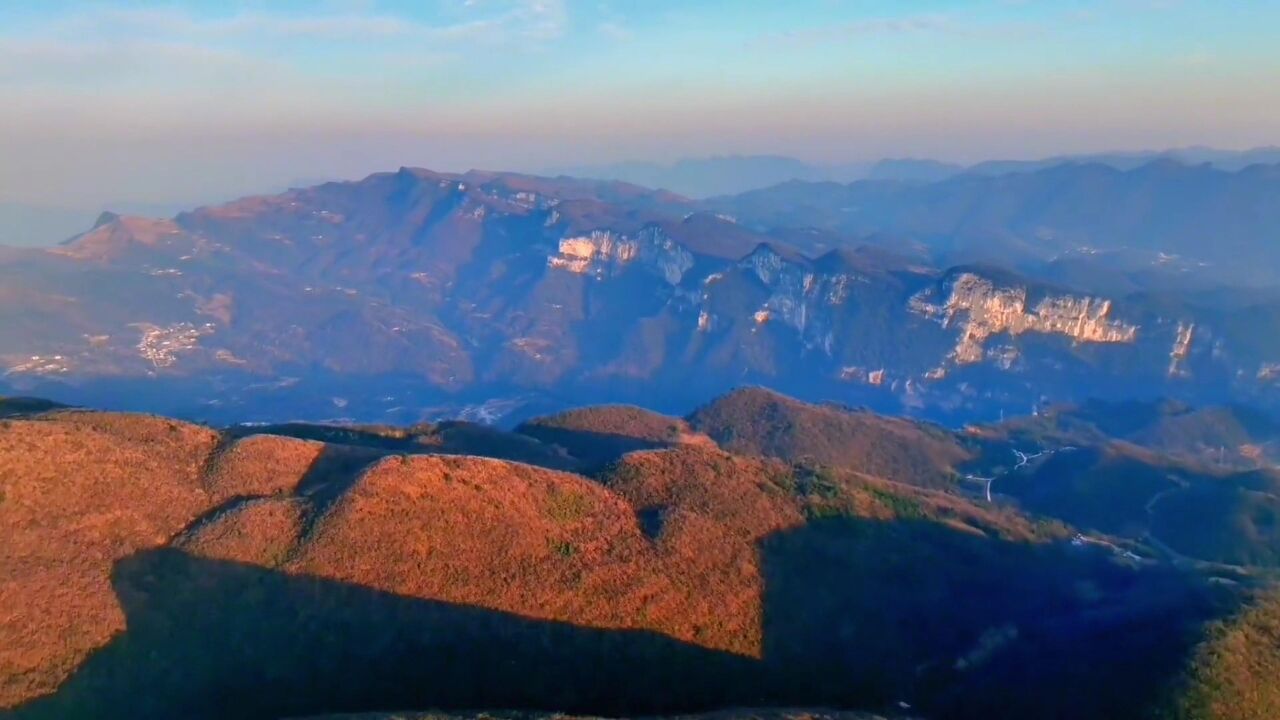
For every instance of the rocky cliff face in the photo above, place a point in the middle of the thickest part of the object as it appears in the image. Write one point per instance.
(1181, 350)
(603, 253)
(483, 286)
(979, 310)
(798, 296)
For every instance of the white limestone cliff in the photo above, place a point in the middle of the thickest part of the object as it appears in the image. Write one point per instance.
(800, 298)
(979, 310)
(1181, 350)
(603, 253)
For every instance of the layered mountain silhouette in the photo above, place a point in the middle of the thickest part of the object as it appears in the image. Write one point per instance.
(727, 175)
(1198, 219)
(412, 295)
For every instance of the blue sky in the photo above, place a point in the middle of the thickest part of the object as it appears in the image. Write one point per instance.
(164, 102)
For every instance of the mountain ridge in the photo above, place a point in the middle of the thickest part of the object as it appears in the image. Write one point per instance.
(733, 174)
(461, 289)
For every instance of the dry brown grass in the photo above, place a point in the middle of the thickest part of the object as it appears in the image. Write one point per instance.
(515, 538)
(597, 436)
(679, 541)
(744, 494)
(85, 489)
(261, 531)
(756, 421)
(261, 465)
(82, 490)
(550, 545)
(620, 420)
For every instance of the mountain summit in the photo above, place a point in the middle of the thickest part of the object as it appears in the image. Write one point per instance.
(451, 290)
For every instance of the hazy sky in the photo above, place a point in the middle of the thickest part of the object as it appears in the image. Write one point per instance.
(174, 102)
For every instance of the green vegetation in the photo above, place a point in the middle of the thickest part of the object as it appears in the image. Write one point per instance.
(904, 508)
(816, 481)
(566, 506)
(563, 548)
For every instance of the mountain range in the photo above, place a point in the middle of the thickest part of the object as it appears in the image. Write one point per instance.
(732, 174)
(413, 295)
(608, 560)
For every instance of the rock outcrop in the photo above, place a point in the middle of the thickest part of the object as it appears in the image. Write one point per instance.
(980, 310)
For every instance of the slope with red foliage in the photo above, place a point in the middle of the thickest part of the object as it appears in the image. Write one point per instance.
(155, 562)
(78, 492)
(761, 422)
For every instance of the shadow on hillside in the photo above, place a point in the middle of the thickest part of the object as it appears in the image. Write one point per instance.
(593, 449)
(335, 469)
(857, 613)
(215, 639)
(333, 472)
(337, 434)
(445, 438)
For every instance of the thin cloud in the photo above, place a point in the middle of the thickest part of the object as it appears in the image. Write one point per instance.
(498, 22)
(175, 24)
(128, 45)
(909, 25)
(906, 26)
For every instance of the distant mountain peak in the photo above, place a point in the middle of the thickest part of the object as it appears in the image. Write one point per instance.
(113, 235)
(105, 218)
